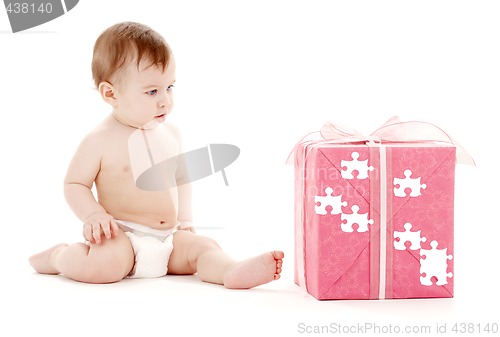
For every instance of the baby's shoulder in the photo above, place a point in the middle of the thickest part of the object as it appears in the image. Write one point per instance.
(99, 136)
(98, 133)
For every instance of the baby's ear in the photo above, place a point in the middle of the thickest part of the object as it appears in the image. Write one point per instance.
(106, 90)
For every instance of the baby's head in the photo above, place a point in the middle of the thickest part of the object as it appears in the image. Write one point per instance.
(123, 43)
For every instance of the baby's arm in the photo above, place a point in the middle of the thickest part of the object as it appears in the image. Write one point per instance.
(184, 212)
(78, 183)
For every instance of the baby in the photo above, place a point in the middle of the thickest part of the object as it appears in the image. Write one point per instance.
(138, 229)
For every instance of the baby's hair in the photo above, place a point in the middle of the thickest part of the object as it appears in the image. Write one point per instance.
(122, 43)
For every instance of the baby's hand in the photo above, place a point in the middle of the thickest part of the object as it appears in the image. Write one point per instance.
(186, 226)
(98, 224)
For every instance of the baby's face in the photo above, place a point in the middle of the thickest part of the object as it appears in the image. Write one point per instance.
(144, 96)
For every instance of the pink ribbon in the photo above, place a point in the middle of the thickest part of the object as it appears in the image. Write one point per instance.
(393, 131)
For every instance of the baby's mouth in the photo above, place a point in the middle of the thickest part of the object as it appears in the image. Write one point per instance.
(161, 118)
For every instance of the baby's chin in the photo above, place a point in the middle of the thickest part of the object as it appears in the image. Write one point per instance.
(151, 125)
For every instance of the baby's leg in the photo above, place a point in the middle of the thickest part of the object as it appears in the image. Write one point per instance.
(41, 262)
(109, 261)
(198, 254)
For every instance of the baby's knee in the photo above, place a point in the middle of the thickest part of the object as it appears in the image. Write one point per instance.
(207, 243)
(110, 265)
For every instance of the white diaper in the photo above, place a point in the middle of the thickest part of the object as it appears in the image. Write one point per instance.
(152, 249)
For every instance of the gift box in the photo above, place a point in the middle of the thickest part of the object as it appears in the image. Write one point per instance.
(374, 215)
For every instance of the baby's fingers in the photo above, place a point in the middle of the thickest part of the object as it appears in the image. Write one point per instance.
(87, 233)
(107, 229)
(96, 232)
(114, 228)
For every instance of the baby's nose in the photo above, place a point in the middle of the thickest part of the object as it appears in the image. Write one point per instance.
(164, 101)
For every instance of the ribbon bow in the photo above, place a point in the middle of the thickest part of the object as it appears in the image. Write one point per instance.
(393, 131)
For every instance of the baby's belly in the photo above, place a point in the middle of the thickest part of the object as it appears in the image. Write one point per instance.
(154, 209)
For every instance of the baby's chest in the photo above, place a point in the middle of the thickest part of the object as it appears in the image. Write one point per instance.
(147, 149)
(146, 157)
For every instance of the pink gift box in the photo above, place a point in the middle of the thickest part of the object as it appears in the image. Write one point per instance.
(374, 220)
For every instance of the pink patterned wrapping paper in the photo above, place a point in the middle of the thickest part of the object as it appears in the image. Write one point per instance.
(340, 213)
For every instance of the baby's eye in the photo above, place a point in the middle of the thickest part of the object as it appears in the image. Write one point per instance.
(152, 92)
(170, 87)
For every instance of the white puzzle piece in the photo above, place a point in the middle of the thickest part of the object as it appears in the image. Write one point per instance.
(355, 165)
(411, 183)
(329, 200)
(361, 219)
(408, 236)
(435, 264)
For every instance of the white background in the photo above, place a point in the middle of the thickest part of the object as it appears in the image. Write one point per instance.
(259, 75)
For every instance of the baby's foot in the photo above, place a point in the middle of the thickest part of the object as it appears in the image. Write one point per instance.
(255, 271)
(41, 261)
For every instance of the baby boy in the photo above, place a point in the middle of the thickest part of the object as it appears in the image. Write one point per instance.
(129, 230)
